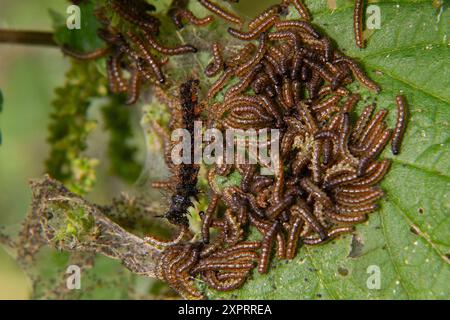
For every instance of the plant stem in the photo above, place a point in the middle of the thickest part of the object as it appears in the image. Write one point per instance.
(39, 38)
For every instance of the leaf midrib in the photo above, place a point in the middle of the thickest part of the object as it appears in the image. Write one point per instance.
(420, 168)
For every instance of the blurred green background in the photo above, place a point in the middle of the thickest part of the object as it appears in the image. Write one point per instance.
(28, 76)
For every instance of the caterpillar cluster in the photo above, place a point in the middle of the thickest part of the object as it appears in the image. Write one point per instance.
(178, 12)
(286, 76)
(327, 179)
(135, 56)
(140, 56)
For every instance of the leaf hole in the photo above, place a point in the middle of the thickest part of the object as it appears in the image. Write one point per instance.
(343, 271)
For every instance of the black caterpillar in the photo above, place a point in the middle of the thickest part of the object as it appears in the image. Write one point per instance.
(185, 174)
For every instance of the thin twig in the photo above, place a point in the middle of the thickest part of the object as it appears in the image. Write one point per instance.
(39, 38)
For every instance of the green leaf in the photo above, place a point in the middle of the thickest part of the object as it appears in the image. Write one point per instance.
(408, 239)
(84, 39)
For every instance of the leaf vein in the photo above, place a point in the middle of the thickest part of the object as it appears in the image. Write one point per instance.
(410, 84)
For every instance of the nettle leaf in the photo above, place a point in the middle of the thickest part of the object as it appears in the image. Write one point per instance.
(408, 239)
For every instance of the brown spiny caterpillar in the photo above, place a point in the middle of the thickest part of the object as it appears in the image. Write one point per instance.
(185, 174)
